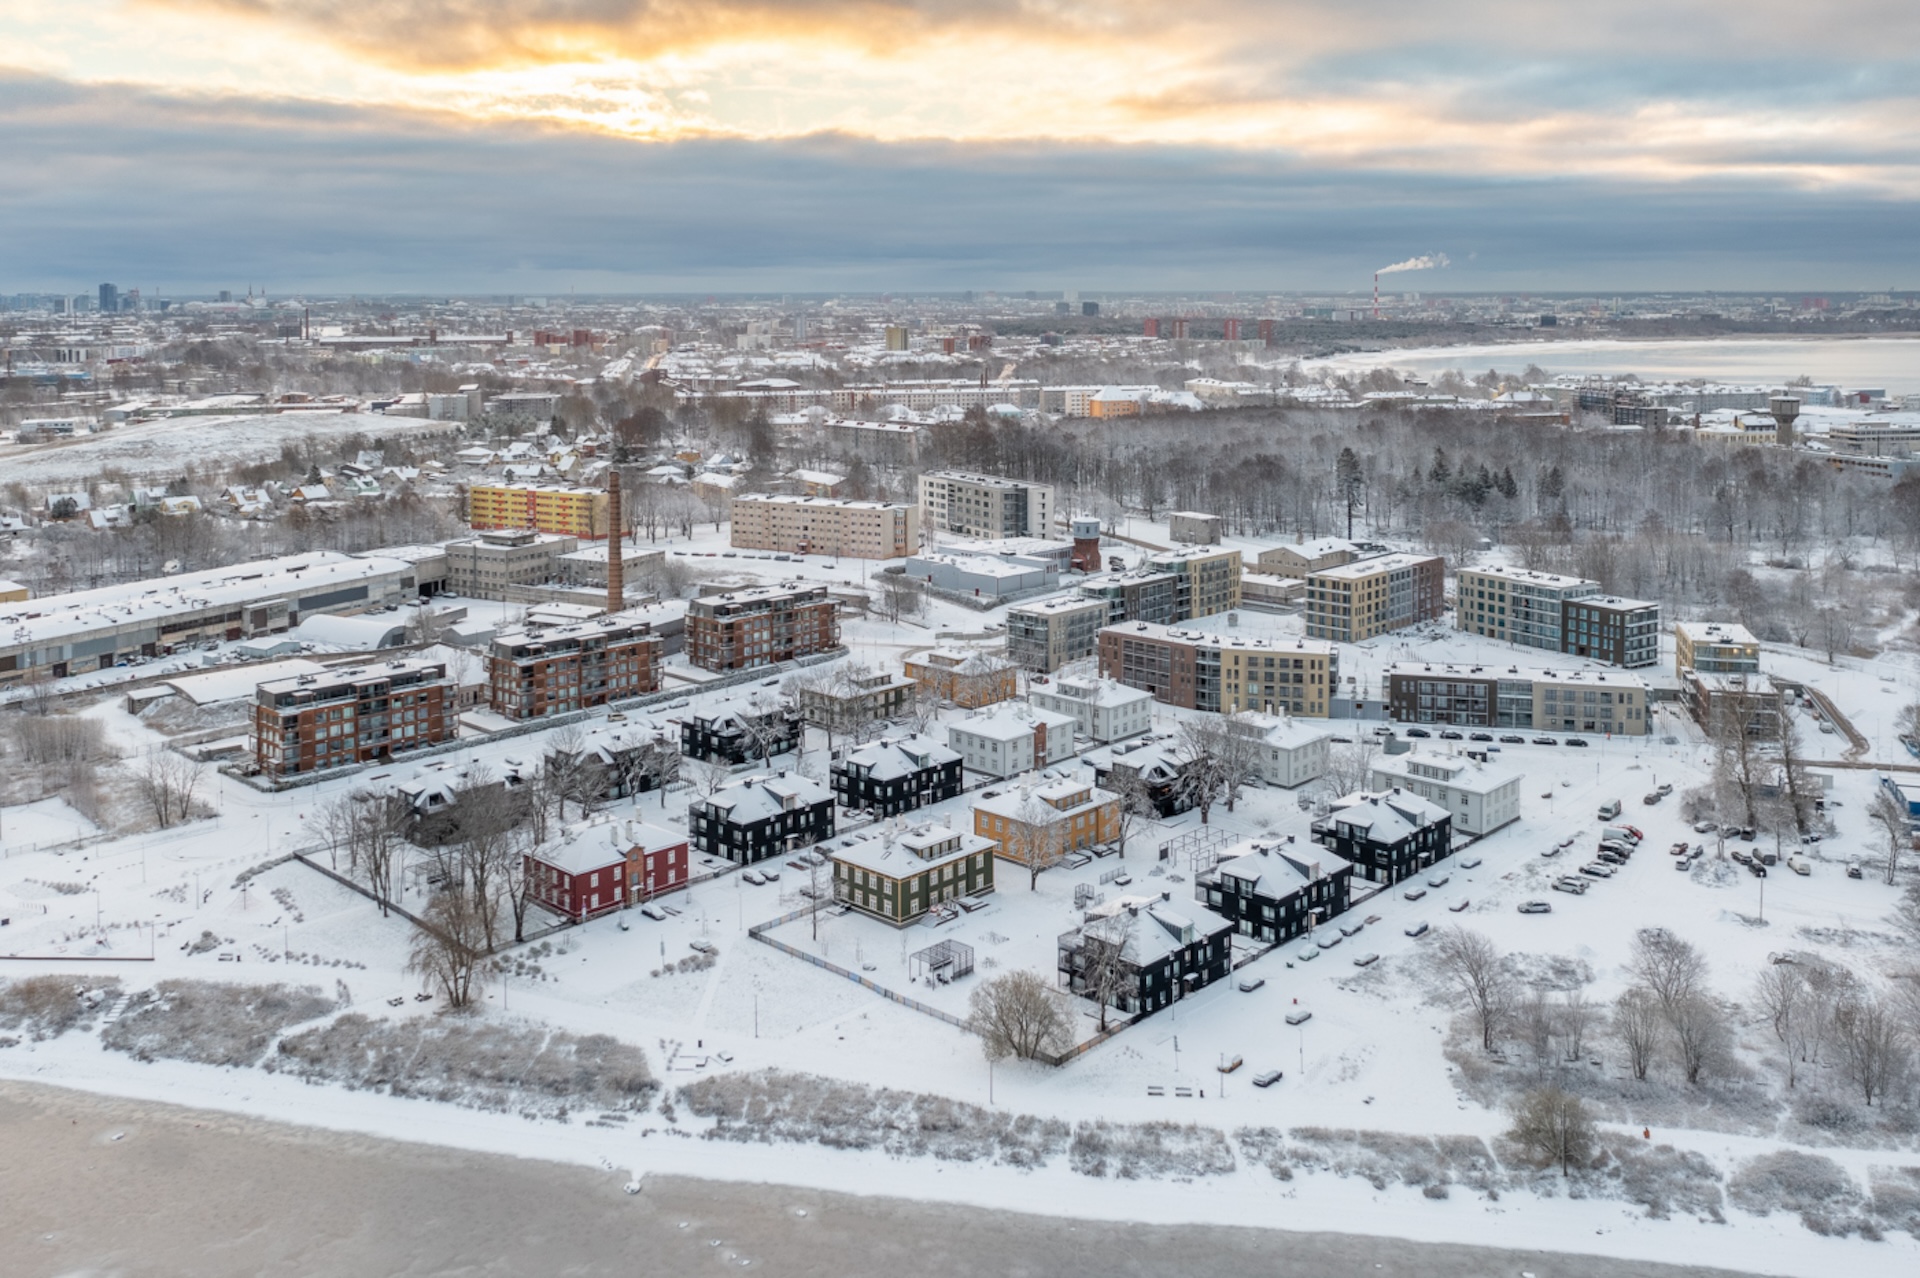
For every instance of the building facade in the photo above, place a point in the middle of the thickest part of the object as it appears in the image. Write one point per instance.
(850, 699)
(485, 567)
(967, 679)
(553, 670)
(1047, 635)
(1356, 601)
(745, 629)
(571, 512)
(1139, 954)
(760, 817)
(1044, 823)
(824, 526)
(310, 723)
(741, 729)
(1620, 632)
(1222, 673)
(1481, 797)
(1274, 891)
(1307, 556)
(1387, 837)
(899, 878)
(1714, 647)
(1010, 739)
(1206, 579)
(1517, 606)
(600, 868)
(896, 775)
(1101, 709)
(989, 506)
(1514, 697)
(1194, 528)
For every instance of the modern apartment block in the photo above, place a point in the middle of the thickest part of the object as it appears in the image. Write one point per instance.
(1620, 632)
(1222, 673)
(1368, 597)
(1567, 615)
(824, 526)
(1714, 647)
(575, 512)
(317, 721)
(1512, 697)
(552, 670)
(1277, 890)
(1139, 595)
(989, 506)
(483, 567)
(743, 629)
(1207, 579)
(1517, 605)
(1046, 635)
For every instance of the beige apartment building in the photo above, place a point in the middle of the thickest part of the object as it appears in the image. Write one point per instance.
(1354, 602)
(798, 525)
(1207, 579)
(1714, 647)
(1047, 635)
(1226, 674)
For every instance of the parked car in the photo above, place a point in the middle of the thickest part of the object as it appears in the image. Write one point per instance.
(1651, 797)
(1853, 869)
(703, 947)
(1513, 739)
(1535, 907)
(1704, 827)
(1366, 960)
(1419, 929)
(753, 876)
(1438, 881)
(1418, 732)
(1471, 863)
(1299, 1017)
(1574, 886)
(1596, 870)
(1610, 809)
(1684, 864)
(1577, 741)
(1758, 870)
(1230, 1064)
(1460, 908)
(1665, 788)
(1799, 865)
(1251, 984)
(1352, 929)
(654, 912)
(1448, 734)
(1414, 894)
(1267, 1079)
(1479, 736)
(1546, 741)
(1308, 955)
(1328, 940)
(1552, 851)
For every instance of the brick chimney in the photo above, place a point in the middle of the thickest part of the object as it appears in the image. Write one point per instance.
(616, 543)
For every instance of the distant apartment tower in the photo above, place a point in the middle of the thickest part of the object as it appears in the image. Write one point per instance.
(1044, 636)
(574, 512)
(309, 723)
(743, 629)
(1222, 673)
(1356, 601)
(897, 337)
(1510, 697)
(825, 526)
(1206, 579)
(109, 298)
(986, 506)
(553, 670)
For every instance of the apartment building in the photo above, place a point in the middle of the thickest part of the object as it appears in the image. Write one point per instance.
(1206, 579)
(1275, 890)
(1222, 673)
(1387, 836)
(1046, 635)
(1194, 528)
(1044, 823)
(1139, 595)
(756, 818)
(1287, 752)
(312, 722)
(988, 506)
(1516, 605)
(1010, 739)
(741, 728)
(1159, 955)
(573, 512)
(484, 567)
(552, 670)
(852, 697)
(967, 679)
(1356, 601)
(899, 878)
(1304, 557)
(1481, 796)
(1714, 647)
(896, 775)
(1102, 710)
(1512, 697)
(797, 525)
(743, 629)
(1620, 632)
(595, 869)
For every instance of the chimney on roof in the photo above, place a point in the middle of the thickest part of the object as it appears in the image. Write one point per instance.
(616, 537)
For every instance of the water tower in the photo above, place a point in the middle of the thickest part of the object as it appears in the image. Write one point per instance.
(1784, 409)
(1086, 544)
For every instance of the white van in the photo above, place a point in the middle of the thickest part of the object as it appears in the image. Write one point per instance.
(1799, 865)
(1609, 810)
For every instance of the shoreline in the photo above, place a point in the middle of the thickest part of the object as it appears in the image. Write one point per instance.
(224, 1194)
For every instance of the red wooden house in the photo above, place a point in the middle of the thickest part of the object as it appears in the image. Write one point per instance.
(598, 868)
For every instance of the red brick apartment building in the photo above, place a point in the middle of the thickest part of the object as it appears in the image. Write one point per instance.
(554, 669)
(312, 722)
(746, 628)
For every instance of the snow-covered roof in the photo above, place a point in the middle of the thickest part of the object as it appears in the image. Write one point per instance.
(1277, 869)
(757, 798)
(1009, 721)
(1387, 816)
(919, 849)
(895, 757)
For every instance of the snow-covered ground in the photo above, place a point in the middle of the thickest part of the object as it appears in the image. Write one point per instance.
(1373, 1056)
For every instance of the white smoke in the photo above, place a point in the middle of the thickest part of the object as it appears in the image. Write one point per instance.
(1431, 261)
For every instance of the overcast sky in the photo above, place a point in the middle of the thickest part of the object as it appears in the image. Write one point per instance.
(472, 146)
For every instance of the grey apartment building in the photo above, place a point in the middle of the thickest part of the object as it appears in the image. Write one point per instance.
(987, 506)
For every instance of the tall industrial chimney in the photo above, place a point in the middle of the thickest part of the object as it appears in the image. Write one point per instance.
(616, 543)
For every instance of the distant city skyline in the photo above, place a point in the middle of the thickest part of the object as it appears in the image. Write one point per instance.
(637, 146)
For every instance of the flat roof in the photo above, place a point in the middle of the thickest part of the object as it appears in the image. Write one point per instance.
(1721, 632)
(1378, 563)
(1510, 573)
(1200, 638)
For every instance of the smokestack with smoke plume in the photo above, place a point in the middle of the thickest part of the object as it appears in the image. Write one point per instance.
(1426, 262)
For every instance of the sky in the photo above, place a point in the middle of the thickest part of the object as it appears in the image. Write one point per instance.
(807, 145)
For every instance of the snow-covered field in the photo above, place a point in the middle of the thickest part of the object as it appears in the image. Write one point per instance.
(1374, 1057)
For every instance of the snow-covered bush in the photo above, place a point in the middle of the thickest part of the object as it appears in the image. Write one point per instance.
(504, 1068)
(1130, 1151)
(48, 1006)
(1791, 1180)
(211, 1023)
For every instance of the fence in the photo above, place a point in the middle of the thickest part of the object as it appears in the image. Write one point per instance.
(349, 884)
(759, 933)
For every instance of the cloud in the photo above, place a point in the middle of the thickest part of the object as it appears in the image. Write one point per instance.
(185, 194)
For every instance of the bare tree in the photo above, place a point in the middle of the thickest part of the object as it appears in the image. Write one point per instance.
(1575, 1017)
(1796, 788)
(1636, 1022)
(1020, 1015)
(1739, 765)
(1781, 992)
(1349, 766)
(1828, 985)
(710, 775)
(1553, 1126)
(375, 827)
(1477, 976)
(1875, 1054)
(1906, 912)
(450, 946)
(1201, 752)
(168, 786)
(1136, 807)
(1889, 812)
(1667, 966)
(1697, 1028)
(1105, 970)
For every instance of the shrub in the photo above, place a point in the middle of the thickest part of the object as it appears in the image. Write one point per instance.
(1790, 1180)
(48, 1006)
(1129, 1151)
(211, 1023)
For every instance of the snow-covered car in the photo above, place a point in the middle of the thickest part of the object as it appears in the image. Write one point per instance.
(1439, 880)
(1267, 1079)
(1251, 984)
(1535, 907)
(1419, 929)
(1366, 960)
(1471, 863)
(1460, 908)
(1414, 894)
(1581, 742)
(1300, 1017)
(753, 876)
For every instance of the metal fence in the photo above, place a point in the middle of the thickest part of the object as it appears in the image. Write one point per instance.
(759, 933)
